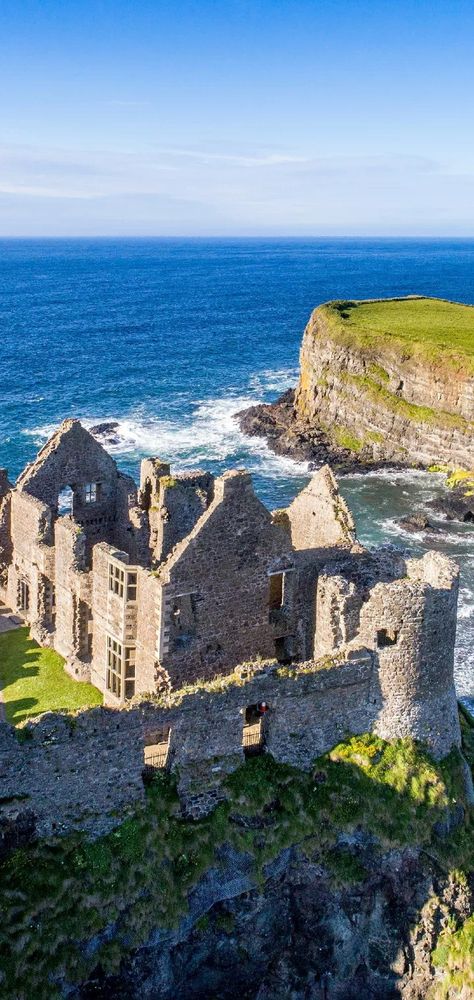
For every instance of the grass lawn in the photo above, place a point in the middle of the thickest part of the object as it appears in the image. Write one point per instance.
(431, 327)
(33, 680)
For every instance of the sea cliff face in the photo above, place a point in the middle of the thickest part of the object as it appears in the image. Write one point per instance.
(382, 403)
(379, 388)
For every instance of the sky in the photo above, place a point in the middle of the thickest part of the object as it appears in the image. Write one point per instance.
(236, 117)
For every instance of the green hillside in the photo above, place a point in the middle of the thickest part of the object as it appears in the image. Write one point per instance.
(438, 330)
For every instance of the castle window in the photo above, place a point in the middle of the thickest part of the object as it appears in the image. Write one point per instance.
(65, 501)
(275, 599)
(91, 492)
(182, 621)
(24, 595)
(155, 753)
(114, 667)
(284, 649)
(131, 587)
(386, 637)
(253, 734)
(130, 655)
(116, 579)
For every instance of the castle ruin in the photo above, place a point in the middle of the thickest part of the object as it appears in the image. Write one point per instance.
(150, 591)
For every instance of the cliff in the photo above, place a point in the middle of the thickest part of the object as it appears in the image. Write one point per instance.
(329, 885)
(381, 382)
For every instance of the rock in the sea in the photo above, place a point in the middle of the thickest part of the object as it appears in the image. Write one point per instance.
(455, 505)
(107, 431)
(418, 522)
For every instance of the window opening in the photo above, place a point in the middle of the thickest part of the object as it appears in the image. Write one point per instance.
(131, 586)
(276, 591)
(91, 492)
(130, 657)
(116, 579)
(114, 667)
(386, 637)
(183, 621)
(253, 733)
(65, 501)
(24, 596)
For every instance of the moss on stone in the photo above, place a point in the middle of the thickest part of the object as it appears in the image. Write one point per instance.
(67, 905)
(345, 439)
(378, 372)
(409, 411)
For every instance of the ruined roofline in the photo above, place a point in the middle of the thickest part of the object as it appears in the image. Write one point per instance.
(224, 486)
(47, 449)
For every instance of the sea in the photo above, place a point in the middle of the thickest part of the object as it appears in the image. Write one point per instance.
(172, 337)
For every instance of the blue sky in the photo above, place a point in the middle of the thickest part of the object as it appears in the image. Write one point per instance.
(245, 117)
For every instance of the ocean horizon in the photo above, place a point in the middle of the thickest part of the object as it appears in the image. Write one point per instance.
(170, 337)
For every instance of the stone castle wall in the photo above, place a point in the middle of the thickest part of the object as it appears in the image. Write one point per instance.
(85, 772)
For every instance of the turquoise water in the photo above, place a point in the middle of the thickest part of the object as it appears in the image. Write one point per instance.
(172, 337)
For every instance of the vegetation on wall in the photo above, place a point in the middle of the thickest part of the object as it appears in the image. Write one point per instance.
(69, 905)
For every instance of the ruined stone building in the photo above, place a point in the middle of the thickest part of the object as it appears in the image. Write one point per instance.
(151, 589)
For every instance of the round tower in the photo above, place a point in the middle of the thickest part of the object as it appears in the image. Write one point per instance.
(411, 625)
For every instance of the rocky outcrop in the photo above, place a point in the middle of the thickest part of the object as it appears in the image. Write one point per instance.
(301, 935)
(369, 400)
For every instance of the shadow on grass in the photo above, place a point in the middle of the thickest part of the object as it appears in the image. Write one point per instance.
(33, 680)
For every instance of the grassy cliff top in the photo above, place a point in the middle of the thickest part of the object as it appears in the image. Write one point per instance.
(442, 331)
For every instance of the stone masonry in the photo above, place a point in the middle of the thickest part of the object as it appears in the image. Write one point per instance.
(147, 591)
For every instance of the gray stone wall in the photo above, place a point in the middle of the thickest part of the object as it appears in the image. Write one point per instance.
(216, 586)
(85, 772)
(411, 623)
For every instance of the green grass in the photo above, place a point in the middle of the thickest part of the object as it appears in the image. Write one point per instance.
(345, 439)
(33, 680)
(454, 955)
(56, 895)
(439, 331)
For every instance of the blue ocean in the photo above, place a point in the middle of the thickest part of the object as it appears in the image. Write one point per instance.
(172, 337)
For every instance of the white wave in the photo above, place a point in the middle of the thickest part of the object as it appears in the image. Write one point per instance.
(211, 435)
(277, 380)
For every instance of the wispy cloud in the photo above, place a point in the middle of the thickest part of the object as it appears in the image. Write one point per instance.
(191, 190)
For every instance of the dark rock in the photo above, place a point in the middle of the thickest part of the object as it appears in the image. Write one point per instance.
(418, 522)
(17, 830)
(455, 505)
(107, 431)
(297, 935)
(280, 425)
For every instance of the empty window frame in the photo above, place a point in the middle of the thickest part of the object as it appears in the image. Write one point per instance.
(276, 591)
(182, 627)
(129, 671)
(91, 492)
(131, 586)
(24, 595)
(386, 637)
(114, 667)
(65, 501)
(281, 589)
(116, 579)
